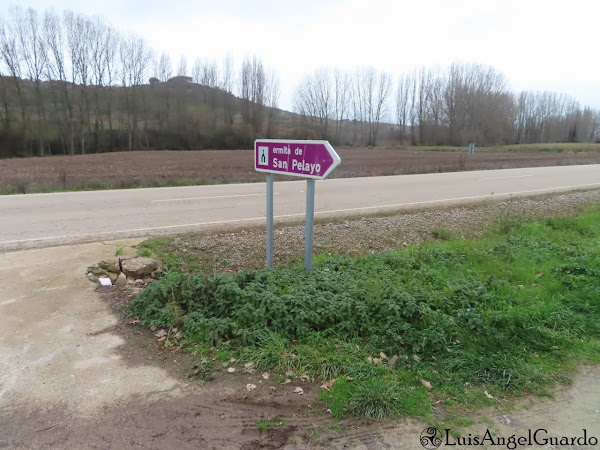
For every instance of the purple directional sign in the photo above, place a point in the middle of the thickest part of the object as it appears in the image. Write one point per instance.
(307, 159)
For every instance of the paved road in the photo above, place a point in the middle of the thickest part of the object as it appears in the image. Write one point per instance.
(37, 220)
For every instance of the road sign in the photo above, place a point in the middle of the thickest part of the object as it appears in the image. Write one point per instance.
(307, 159)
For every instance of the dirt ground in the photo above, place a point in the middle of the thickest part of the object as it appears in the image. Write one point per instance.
(157, 168)
(226, 251)
(75, 374)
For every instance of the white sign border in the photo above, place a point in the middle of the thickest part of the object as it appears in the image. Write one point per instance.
(336, 158)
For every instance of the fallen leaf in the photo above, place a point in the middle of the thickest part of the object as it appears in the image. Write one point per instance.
(416, 358)
(289, 373)
(248, 364)
(540, 275)
(370, 359)
(178, 336)
(304, 377)
(299, 391)
(134, 322)
(287, 381)
(273, 388)
(232, 360)
(250, 387)
(231, 370)
(162, 339)
(161, 333)
(376, 361)
(427, 384)
(383, 355)
(392, 361)
(265, 375)
(488, 395)
(175, 330)
(327, 385)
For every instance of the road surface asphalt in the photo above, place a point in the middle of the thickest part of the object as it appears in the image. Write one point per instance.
(40, 220)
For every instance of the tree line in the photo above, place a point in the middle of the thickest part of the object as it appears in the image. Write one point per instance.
(438, 106)
(72, 84)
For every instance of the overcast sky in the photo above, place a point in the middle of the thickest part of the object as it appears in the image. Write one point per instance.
(538, 45)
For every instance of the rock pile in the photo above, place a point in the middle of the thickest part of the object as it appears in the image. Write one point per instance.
(124, 270)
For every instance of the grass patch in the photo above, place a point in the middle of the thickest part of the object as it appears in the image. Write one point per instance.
(510, 313)
(273, 422)
(25, 187)
(145, 252)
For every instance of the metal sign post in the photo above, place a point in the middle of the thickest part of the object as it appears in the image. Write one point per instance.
(313, 160)
(270, 177)
(308, 228)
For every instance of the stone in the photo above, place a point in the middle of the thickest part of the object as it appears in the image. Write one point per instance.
(121, 280)
(110, 265)
(138, 282)
(127, 253)
(113, 276)
(139, 267)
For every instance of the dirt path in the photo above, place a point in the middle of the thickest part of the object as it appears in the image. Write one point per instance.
(73, 376)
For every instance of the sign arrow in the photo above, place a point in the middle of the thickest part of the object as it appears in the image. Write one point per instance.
(307, 159)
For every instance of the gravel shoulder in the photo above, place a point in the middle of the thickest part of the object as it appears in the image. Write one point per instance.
(245, 248)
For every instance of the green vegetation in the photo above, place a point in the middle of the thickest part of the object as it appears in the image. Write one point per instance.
(507, 314)
(144, 252)
(273, 422)
(119, 251)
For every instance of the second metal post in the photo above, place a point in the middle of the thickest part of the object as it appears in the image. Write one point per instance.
(310, 216)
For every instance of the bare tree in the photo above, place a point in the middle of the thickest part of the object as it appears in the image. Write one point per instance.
(227, 80)
(227, 84)
(341, 92)
(34, 54)
(182, 68)
(252, 81)
(135, 57)
(314, 99)
(164, 68)
(10, 55)
(271, 101)
(405, 92)
(371, 92)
